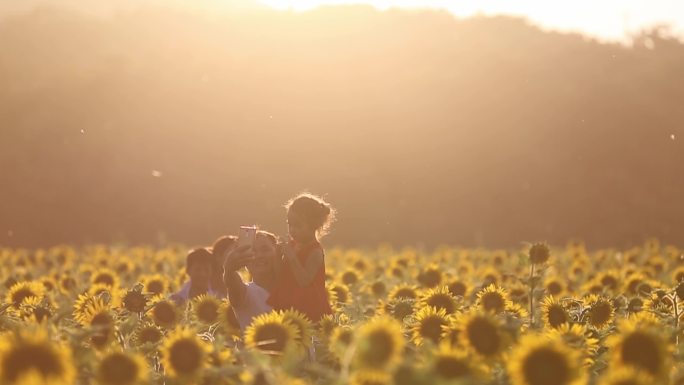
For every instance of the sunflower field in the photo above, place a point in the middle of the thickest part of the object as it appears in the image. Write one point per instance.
(536, 316)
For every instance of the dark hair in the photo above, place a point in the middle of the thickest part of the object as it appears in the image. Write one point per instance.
(314, 210)
(199, 255)
(222, 244)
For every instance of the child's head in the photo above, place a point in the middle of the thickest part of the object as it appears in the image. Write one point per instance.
(198, 265)
(308, 217)
(222, 246)
(265, 249)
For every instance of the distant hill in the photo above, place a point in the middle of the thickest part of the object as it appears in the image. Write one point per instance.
(419, 126)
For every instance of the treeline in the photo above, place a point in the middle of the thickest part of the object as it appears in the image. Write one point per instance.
(420, 127)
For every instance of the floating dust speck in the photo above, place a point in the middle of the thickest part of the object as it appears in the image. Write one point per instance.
(82, 131)
(672, 136)
(156, 173)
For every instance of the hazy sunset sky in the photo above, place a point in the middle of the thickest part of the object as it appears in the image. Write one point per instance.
(607, 19)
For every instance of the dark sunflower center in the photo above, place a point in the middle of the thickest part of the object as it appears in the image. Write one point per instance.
(155, 286)
(118, 369)
(493, 302)
(451, 367)
(441, 301)
(557, 316)
(600, 313)
(554, 288)
(68, 283)
(185, 356)
(349, 278)
(149, 335)
(135, 302)
(431, 328)
(405, 292)
(430, 278)
(164, 313)
(345, 337)
(642, 351)
(546, 367)
(402, 309)
(271, 337)
(341, 294)
(378, 349)
(457, 288)
(105, 279)
(609, 281)
(207, 311)
(378, 288)
(23, 358)
(483, 336)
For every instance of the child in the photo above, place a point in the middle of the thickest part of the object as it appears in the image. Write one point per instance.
(300, 281)
(198, 265)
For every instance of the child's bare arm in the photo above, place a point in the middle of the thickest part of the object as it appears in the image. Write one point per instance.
(305, 273)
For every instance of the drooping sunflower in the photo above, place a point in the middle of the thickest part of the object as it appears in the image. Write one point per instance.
(538, 360)
(404, 291)
(205, 309)
(539, 253)
(641, 343)
(134, 300)
(165, 314)
(379, 345)
(184, 355)
(493, 299)
(22, 290)
(600, 311)
(147, 333)
(439, 298)
(106, 277)
(30, 355)
(118, 368)
(302, 324)
(428, 325)
(577, 337)
(270, 333)
(554, 314)
(482, 333)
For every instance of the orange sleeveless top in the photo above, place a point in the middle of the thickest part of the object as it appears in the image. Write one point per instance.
(310, 300)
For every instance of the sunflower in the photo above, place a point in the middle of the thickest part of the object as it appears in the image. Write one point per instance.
(378, 288)
(326, 326)
(36, 310)
(271, 333)
(147, 333)
(111, 295)
(493, 299)
(398, 308)
(600, 311)
(165, 314)
(404, 291)
(490, 276)
(66, 284)
(155, 284)
(338, 293)
(349, 277)
(641, 344)
(49, 283)
(184, 355)
(554, 286)
(538, 360)
(428, 325)
(439, 298)
(106, 277)
(609, 280)
(301, 323)
(431, 276)
(100, 319)
(554, 313)
(577, 337)
(625, 375)
(22, 290)
(134, 300)
(81, 307)
(380, 344)
(449, 364)
(539, 253)
(118, 368)
(30, 354)
(458, 288)
(205, 309)
(482, 333)
(678, 275)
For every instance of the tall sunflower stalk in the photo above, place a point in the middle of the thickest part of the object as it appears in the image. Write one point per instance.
(538, 254)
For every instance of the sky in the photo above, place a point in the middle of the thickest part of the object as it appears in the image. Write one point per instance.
(604, 19)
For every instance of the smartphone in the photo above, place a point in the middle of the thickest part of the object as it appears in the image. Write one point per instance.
(246, 235)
